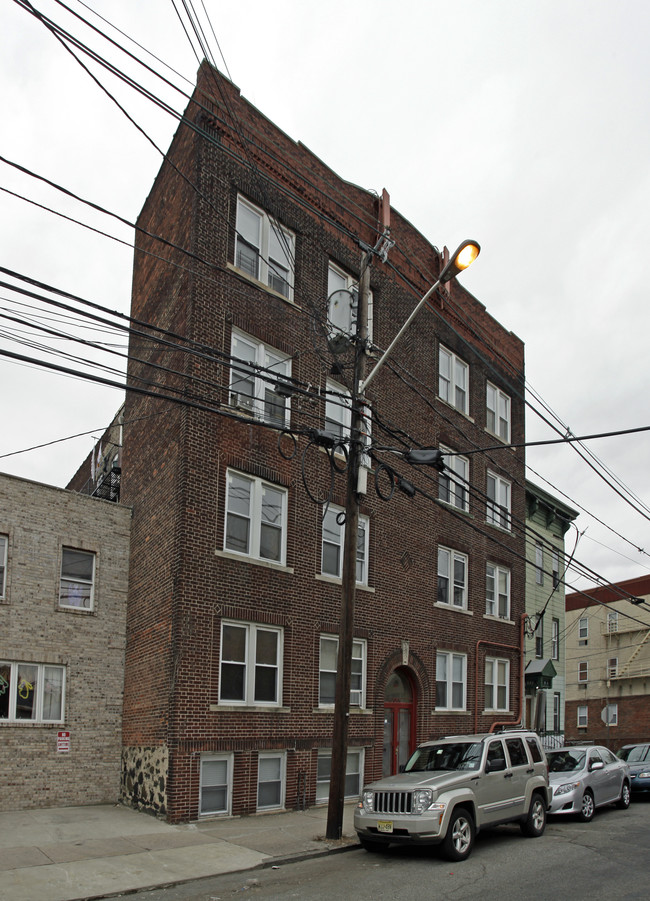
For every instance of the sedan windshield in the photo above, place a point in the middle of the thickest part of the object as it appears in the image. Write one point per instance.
(565, 761)
(447, 756)
(632, 755)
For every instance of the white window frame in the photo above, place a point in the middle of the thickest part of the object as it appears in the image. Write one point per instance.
(353, 773)
(456, 593)
(612, 667)
(499, 501)
(497, 684)
(76, 592)
(253, 380)
(281, 758)
(4, 544)
(447, 673)
(338, 410)
(555, 639)
(498, 604)
(341, 312)
(249, 665)
(555, 567)
(557, 711)
(251, 510)
(227, 785)
(582, 720)
(333, 536)
(453, 482)
(453, 380)
(583, 672)
(539, 563)
(27, 679)
(269, 256)
(612, 621)
(327, 667)
(583, 629)
(497, 413)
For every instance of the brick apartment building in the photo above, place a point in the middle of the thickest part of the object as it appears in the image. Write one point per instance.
(64, 562)
(235, 575)
(608, 663)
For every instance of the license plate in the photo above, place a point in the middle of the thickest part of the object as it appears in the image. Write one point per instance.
(384, 826)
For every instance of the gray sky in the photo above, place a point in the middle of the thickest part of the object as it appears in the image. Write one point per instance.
(523, 125)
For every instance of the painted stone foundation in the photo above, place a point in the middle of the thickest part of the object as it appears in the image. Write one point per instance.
(144, 779)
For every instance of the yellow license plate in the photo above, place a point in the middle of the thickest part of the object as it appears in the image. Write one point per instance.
(384, 826)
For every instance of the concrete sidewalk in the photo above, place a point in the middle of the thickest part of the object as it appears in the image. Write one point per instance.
(72, 853)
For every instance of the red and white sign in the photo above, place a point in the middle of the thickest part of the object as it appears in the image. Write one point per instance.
(63, 742)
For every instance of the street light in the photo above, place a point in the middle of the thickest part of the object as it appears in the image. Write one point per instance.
(463, 257)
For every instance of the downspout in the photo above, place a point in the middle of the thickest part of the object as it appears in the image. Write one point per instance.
(511, 647)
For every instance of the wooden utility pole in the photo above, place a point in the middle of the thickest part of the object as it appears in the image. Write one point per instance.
(349, 577)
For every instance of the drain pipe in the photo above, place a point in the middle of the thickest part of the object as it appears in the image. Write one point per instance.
(510, 647)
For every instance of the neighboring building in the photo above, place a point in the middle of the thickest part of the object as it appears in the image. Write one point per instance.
(608, 663)
(235, 575)
(100, 474)
(547, 522)
(63, 585)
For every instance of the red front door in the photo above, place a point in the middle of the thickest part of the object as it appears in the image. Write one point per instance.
(399, 723)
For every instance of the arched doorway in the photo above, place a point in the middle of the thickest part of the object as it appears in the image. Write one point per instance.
(399, 722)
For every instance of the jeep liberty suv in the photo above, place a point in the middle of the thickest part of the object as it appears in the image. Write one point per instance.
(452, 787)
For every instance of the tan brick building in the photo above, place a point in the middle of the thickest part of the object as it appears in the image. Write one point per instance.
(64, 564)
(608, 663)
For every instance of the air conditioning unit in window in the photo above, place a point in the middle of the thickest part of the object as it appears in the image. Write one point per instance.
(242, 401)
(355, 699)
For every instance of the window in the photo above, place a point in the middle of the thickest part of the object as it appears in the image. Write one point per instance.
(610, 715)
(451, 680)
(453, 378)
(555, 567)
(516, 752)
(612, 621)
(263, 249)
(353, 774)
(539, 637)
(329, 649)
(497, 591)
(32, 692)
(557, 708)
(256, 379)
(452, 578)
(555, 639)
(497, 677)
(216, 784)
(256, 514)
(271, 769)
(582, 716)
(612, 668)
(77, 579)
(583, 630)
(337, 410)
(539, 563)
(3, 566)
(333, 540)
(343, 294)
(498, 413)
(583, 671)
(251, 664)
(452, 483)
(498, 501)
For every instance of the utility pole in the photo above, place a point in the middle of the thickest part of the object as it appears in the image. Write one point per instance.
(349, 575)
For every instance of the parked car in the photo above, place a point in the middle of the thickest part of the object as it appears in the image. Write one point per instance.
(638, 759)
(452, 787)
(584, 777)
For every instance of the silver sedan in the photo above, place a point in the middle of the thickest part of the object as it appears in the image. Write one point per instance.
(584, 777)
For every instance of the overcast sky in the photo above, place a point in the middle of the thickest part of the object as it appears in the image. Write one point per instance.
(523, 125)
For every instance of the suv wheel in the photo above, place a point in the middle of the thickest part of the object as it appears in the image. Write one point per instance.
(587, 808)
(535, 823)
(459, 840)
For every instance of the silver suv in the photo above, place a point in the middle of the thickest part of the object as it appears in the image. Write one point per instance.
(452, 787)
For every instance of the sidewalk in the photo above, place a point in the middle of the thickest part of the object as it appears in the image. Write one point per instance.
(72, 853)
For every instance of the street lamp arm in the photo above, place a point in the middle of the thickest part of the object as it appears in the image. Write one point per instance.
(464, 256)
